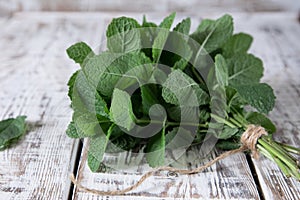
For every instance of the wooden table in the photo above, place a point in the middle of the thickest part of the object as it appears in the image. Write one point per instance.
(34, 70)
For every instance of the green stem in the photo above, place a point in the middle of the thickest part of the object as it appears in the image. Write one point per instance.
(289, 162)
(282, 151)
(222, 120)
(146, 121)
(238, 124)
(290, 149)
(286, 171)
(104, 121)
(262, 150)
(240, 118)
(197, 75)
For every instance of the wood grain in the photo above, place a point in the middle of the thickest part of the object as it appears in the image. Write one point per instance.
(191, 6)
(34, 70)
(229, 179)
(281, 48)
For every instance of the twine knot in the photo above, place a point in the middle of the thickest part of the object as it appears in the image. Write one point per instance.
(250, 136)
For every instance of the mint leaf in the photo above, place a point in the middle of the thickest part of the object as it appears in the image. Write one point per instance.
(106, 69)
(11, 130)
(148, 34)
(260, 119)
(156, 150)
(162, 36)
(71, 84)
(148, 24)
(184, 113)
(221, 70)
(162, 143)
(180, 89)
(86, 98)
(72, 131)
(97, 146)
(85, 124)
(237, 44)
(227, 132)
(259, 95)
(244, 69)
(183, 51)
(88, 106)
(121, 110)
(123, 36)
(184, 26)
(168, 21)
(228, 144)
(150, 96)
(79, 52)
(212, 34)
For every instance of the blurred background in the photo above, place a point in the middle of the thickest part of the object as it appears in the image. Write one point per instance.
(192, 6)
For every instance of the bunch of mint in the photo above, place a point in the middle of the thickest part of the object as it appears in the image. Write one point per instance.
(154, 89)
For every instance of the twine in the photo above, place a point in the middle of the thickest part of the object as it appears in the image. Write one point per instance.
(248, 139)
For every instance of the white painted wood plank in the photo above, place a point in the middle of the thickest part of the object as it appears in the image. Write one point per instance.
(229, 179)
(34, 71)
(280, 48)
(191, 6)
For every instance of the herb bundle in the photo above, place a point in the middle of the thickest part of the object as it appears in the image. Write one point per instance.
(154, 89)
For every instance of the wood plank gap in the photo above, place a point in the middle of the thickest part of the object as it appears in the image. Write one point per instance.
(76, 168)
(255, 177)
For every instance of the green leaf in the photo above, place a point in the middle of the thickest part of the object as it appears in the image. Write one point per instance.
(123, 35)
(156, 150)
(259, 95)
(162, 36)
(180, 89)
(150, 94)
(148, 34)
(162, 143)
(123, 143)
(184, 26)
(121, 110)
(71, 84)
(228, 144)
(184, 114)
(85, 97)
(84, 123)
(227, 132)
(178, 138)
(244, 69)
(11, 130)
(98, 144)
(88, 106)
(79, 52)
(168, 21)
(106, 69)
(221, 70)
(260, 119)
(148, 24)
(72, 131)
(212, 34)
(233, 98)
(237, 44)
(178, 44)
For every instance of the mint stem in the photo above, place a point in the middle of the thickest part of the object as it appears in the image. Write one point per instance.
(289, 148)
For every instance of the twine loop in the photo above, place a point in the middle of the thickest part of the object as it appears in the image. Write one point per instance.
(250, 136)
(248, 140)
